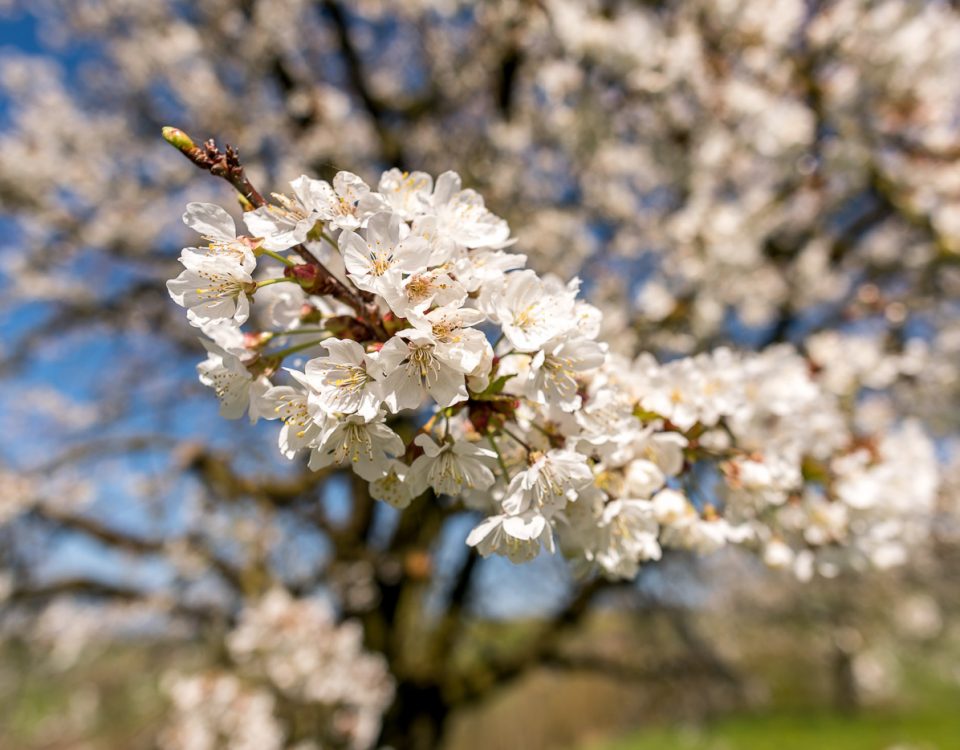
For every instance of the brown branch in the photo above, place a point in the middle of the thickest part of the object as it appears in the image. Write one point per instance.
(225, 164)
(451, 625)
(40, 593)
(701, 650)
(108, 445)
(392, 150)
(500, 673)
(73, 586)
(101, 532)
(147, 299)
(217, 473)
(120, 540)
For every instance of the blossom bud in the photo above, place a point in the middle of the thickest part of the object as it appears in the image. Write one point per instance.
(347, 327)
(305, 273)
(310, 314)
(392, 324)
(486, 416)
(255, 340)
(480, 413)
(177, 138)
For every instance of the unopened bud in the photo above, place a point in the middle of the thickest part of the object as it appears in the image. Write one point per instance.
(305, 273)
(479, 416)
(177, 138)
(347, 327)
(392, 324)
(310, 314)
(256, 340)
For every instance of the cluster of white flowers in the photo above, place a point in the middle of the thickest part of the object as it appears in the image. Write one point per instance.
(406, 303)
(216, 709)
(289, 649)
(299, 648)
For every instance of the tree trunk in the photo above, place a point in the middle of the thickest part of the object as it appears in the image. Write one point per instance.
(416, 719)
(846, 697)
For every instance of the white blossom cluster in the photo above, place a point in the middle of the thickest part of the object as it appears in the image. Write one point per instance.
(406, 303)
(284, 651)
(300, 649)
(216, 709)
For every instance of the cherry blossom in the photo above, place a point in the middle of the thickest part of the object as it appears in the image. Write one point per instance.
(532, 421)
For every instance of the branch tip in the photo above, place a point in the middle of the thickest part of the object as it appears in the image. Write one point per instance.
(177, 138)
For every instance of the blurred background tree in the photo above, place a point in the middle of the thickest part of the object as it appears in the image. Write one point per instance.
(717, 172)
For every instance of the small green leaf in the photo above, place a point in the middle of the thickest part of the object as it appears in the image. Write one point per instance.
(493, 390)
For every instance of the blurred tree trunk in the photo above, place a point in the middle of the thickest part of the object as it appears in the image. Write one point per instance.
(417, 718)
(846, 696)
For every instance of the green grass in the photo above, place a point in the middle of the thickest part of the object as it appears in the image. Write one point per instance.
(939, 730)
(107, 702)
(927, 718)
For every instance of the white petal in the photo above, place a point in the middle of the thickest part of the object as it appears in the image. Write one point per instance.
(210, 220)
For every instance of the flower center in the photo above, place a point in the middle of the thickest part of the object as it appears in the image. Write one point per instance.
(423, 364)
(349, 378)
(356, 441)
(220, 286)
(292, 411)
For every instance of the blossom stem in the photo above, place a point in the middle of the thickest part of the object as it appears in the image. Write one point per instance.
(276, 256)
(523, 443)
(328, 238)
(224, 164)
(503, 464)
(430, 423)
(540, 429)
(279, 280)
(299, 331)
(293, 349)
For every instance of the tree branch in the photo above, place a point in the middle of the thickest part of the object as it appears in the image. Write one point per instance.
(78, 586)
(546, 648)
(210, 158)
(93, 528)
(391, 149)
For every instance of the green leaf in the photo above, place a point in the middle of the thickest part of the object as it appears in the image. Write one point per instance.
(494, 389)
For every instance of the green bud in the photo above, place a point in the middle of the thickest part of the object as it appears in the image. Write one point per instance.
(245, 205)
(177, 138)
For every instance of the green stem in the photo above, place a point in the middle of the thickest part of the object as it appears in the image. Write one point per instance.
(540, 429)
(523, 443)
(299, 331)
(292, 349)
(328, 238)
(503, 464)
(280, 280)
(276, 256)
